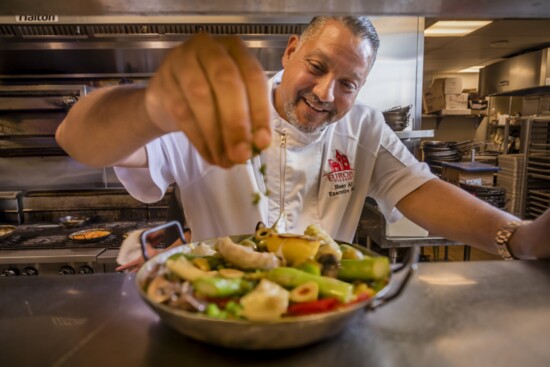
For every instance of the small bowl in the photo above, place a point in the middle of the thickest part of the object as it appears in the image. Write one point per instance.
(73, 221)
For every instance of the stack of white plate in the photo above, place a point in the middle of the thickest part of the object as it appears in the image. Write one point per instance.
(510, 178)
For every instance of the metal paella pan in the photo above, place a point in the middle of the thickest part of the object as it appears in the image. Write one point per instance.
(285, 332)
(6, 231)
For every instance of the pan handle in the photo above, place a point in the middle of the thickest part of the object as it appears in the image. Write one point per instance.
(409, 266)
(144, 235)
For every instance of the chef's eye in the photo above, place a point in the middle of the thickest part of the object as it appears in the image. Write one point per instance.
(315, 68)
(349, 86)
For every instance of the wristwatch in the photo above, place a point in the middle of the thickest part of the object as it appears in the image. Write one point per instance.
(503, 236)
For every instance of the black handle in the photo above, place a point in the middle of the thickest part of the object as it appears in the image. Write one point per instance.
(392, 293)
(144, 235)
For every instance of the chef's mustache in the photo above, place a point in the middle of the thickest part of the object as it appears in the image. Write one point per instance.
(312, 98)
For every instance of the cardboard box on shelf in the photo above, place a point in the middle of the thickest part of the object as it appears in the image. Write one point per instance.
(456, 101)
(452, 86)
(433, 102)
(444, 94)
(433, 98)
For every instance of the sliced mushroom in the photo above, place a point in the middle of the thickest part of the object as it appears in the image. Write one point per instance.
(160, 289)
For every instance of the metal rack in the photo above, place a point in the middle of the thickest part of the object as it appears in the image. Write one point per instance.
(373, 227)
(536, 178)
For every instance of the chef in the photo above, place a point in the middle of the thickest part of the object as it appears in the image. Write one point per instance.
(294, 150)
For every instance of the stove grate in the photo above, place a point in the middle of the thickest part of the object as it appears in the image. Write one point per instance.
(30, 237)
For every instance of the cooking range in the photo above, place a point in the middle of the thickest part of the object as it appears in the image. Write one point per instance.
(46, 249)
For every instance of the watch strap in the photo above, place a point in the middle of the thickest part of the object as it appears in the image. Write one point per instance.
(502, 239)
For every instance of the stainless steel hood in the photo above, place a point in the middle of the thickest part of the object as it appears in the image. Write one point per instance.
(282, 8)
(122, 45)
(525, 74)
(130, 37)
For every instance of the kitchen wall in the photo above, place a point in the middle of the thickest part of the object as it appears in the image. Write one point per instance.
(395, 79)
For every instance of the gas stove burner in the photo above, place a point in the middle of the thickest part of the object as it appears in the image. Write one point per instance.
(45, 241)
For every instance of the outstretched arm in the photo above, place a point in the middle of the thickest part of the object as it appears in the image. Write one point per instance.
(446, 210)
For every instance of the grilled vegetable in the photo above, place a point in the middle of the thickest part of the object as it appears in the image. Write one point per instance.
(201, 263)
(309, 308)
(231, 273)
(185, 269)
(202, 250)
(214, 311)
(221, 287)
(329, 265)
(160, 289)
(268, 301)
(245, 257)
(370, 268)
(311, 266)
(328, 287)
(328, 245)
(307, 292)
(295, 249)
(351, 253)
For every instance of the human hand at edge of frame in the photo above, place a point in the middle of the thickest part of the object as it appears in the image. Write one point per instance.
(532, 240)
(215, 91)
(134, 265)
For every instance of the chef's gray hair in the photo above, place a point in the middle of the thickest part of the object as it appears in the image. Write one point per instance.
(359, 26)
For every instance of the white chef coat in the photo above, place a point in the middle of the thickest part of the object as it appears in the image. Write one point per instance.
(321, 178)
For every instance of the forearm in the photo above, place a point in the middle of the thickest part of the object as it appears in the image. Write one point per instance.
(448, 211)
(107, 126)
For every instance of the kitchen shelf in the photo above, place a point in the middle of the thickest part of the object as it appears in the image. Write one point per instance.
(414, 134)
(537, 171)
(446, 114)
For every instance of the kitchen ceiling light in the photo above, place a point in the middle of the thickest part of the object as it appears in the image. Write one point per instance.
(471, 69)
(454, 28)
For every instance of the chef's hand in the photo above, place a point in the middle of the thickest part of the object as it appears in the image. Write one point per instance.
(215, 91)
(532, 240)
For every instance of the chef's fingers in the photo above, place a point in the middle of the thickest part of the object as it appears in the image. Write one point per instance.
(256, 88)
(198, 87)
(231, 99)
(168, 106)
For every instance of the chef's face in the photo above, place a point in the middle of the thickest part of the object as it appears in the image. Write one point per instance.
(322, 76)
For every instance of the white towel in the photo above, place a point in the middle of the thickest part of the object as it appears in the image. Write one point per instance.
(130, 249)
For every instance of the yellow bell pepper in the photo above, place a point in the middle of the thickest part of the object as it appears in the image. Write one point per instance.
(294, 248)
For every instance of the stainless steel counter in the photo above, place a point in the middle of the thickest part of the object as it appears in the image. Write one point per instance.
(453, 314)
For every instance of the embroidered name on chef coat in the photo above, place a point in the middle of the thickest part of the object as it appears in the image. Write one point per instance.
(341, 175)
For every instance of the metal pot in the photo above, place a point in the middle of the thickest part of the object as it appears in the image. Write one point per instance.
(287, 332)
(71, 221)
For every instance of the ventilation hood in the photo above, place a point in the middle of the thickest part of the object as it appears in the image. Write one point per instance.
(126, 45)
(525, 74)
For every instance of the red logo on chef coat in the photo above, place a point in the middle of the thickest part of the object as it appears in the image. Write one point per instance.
(341, 174)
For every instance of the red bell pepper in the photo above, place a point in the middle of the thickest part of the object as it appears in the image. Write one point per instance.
(307, 308)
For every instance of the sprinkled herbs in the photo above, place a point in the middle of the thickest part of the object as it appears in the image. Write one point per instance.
(256, 197)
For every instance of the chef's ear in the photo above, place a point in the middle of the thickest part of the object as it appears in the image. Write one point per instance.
(291, 47)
